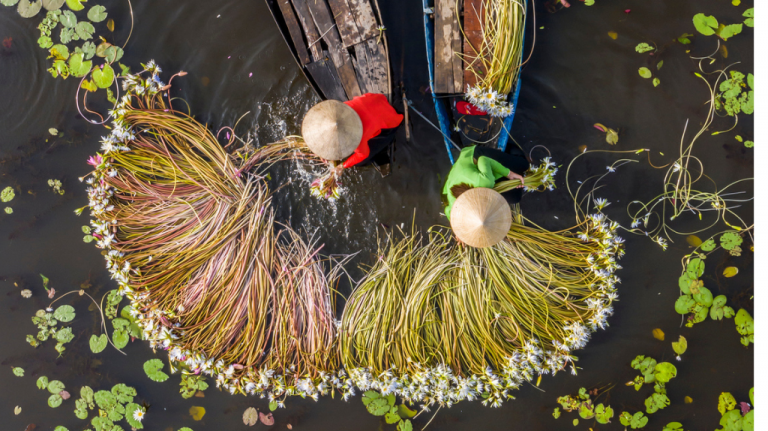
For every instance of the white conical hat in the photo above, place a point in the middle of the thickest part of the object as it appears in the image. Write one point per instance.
(332, 130)
(481, 217)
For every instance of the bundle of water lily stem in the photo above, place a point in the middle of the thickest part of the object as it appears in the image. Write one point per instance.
(189, 234)
(496, 62)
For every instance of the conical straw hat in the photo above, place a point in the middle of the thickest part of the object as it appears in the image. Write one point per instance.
(480, 217)
(332, 130)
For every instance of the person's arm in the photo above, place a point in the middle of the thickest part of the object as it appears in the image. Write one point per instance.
(492, 167)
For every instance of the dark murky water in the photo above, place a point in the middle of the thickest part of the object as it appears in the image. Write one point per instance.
(577, 76)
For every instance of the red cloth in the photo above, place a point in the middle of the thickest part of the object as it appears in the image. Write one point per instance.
(466, 108)
(376, 113)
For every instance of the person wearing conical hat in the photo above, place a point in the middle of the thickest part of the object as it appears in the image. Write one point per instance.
(359, 130)
(482, 167)
(481, 217)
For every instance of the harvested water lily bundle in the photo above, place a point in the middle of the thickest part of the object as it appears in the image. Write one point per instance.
(438, 322)
(189, 234)
(496, 62)
(537, 178)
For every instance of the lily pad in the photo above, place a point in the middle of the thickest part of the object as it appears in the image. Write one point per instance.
(729, 31)
(55, 400)
(680, 346)
(85, 30)
(68, 19)
(53, 4)
(64, 335)
(684, 304)
(603, 414)
(645, 72)
(656, 402)
(706, 25)
(725, 402)
(730, 271)
(113, 53)
(730, 240)
(98, 344)
(42, 382)
(709, 245)
(89, 49)
(266, 419)
(405, 425)
(658, 334)
(673, 426)
(29, 9)
(197, 412)
(644, 47)
(76, 4)
(130, 408)
(695, 268)
(65, 313)
(59, 52)
(123, 393)
(18, 371)
(8, 2)
(664, 372)
(250, 416)
(103, 77)
(55, 386)
(78, 67)
(704, 297)
(7, 194)
(153, 369)
(97, 13)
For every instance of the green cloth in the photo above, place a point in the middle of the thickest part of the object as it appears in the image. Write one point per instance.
(483, 174)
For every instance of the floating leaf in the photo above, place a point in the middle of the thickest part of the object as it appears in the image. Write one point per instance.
(103, 77)
(575, 422)
(673, 426)
(85, 30)
(693, 240)
(53, 4)
(729, 31)
(130, 410)
(266, 419)
(643, 48)
(405, 412)
(113, 53)
(684, 39)
(17, 411)
(613, 35)
(29, 9)
(197, 412)
(730, 240)
(749, 144)
(45, 42)
(89, 49)
(55, 386)
(556, 413)
(8, 2)
(78, 67)
(152, 367)
(750, 17)
(120, 338)
(59, 52)
(76, 4)
(98, 344)
(745, 325)
(111, 24)
(709, 245)
(90, 86)
(272, 405)
(656, 82)
(405, 425)
(8, 210)
(704, 297)
(645, 72)
(250, 416)
(64, 335)
(603, 414)
(97, 13)
(42, 382)
(664, 372)
(659, 65)
(658, 334)
(704, 24)
(725, 402)
(730, 271)
(7, 194)
(695, 268)
(18, 371)
(656, 402)
(688, 400)
(65, 313)
(55, 400)
(680, 346)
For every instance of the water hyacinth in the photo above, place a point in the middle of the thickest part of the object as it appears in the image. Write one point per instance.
(189, 235)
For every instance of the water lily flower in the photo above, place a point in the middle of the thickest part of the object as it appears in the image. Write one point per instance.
(139, 414)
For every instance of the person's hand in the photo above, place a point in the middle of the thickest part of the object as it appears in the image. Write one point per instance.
(514, 176)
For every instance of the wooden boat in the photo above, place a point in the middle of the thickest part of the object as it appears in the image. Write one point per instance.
(448, 79)
(338, 44)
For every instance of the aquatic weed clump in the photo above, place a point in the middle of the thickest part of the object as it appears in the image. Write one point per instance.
(441, 323)
(188, 232)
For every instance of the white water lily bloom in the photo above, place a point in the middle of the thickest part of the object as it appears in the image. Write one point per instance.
(139, 414)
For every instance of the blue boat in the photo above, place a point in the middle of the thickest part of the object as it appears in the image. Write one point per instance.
(493, 132)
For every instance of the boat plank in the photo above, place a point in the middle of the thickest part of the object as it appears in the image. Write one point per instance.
(377, 59)
(363, 68)
(457, 63)
(321, 14)
(345, 22)
(310, 30)
(295, 31)
(366, 20)
(326, 77)
(445, 20)
(473, 15)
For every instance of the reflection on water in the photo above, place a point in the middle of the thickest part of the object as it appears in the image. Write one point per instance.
(237, 62)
